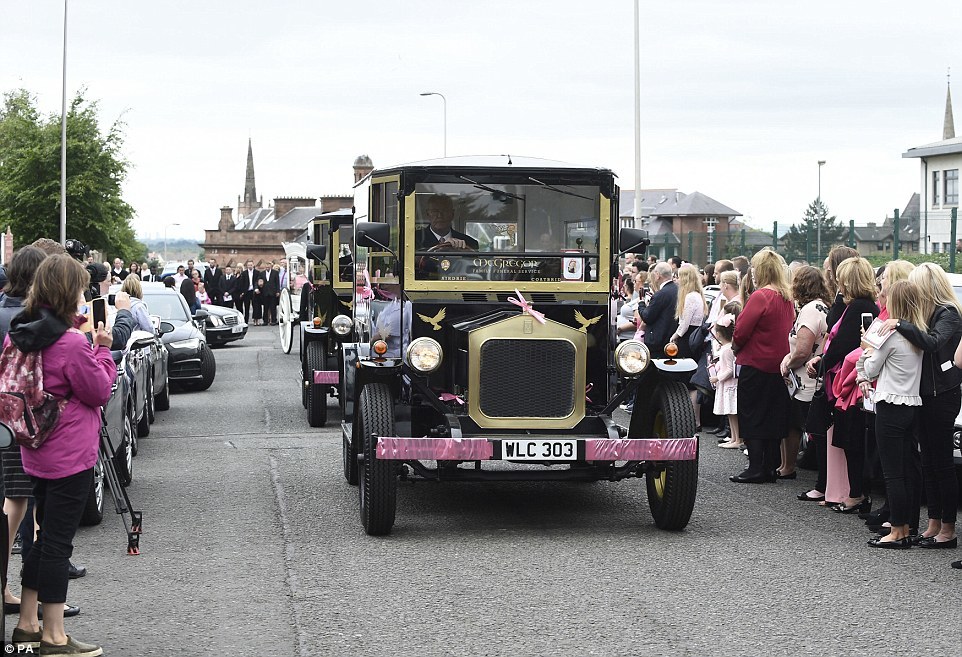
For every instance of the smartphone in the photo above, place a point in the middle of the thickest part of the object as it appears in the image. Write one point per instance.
(110, 299)
(867, 319)
(98, 312)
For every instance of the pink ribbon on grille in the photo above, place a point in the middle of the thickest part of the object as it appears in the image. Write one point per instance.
(526, 307)
(447, 397)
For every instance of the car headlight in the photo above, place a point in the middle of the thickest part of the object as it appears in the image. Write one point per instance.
(957, 439)
(424, 355)
(192, 343)
(215, 321)
(342, 324)
(632, 357)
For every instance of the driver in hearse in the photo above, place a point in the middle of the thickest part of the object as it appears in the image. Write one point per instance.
(438, 234)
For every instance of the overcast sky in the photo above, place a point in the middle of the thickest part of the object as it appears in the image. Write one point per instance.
(740, 99)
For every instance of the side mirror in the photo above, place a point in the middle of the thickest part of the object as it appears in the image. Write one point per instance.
(317, 252)
(165, 327)
(201, 315)
(373, 235)
(632, 240)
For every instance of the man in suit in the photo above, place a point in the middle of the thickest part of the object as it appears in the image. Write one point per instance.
(247, 283)
(214, 283)
(440, 214)
(228, 295)
(271, 293)
(191, 269)
(118, 273)
(659, 316)
(151, 276)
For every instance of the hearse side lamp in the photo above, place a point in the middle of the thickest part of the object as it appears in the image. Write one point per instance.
(341, 324)
(424, 355)
(379, 347)
(317, 322)
(632, 357)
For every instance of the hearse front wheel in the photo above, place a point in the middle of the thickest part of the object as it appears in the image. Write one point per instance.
(673, 484)
(378, 478)
(316, 394)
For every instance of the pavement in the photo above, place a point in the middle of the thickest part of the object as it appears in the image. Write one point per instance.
(252, 545)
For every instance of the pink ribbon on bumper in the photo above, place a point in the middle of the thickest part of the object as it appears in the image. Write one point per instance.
(448, 397)
(526, 307)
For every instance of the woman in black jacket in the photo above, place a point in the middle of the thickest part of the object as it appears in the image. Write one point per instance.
(856, 284)
(941, 398)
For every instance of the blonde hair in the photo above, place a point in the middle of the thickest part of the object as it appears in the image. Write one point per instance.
(935, 286)
(730, 277)
(689, 280)
(768, 268)
(856, 279)
(132, 286)
(898, 270)
(907, 301)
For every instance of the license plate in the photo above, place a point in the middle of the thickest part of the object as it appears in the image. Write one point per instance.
(539, 450)
(237, 329)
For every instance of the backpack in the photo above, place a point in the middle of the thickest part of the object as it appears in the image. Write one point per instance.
(30, 413)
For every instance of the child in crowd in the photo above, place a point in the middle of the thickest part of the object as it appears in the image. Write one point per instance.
(724, 380)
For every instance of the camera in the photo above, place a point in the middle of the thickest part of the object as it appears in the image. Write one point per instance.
(77, 249)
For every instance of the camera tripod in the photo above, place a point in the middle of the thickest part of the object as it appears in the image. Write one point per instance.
(118, 493)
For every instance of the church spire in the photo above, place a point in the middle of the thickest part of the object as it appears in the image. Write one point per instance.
(250, 192)
(948, 128)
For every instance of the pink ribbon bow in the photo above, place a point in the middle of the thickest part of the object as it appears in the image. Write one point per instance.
(448, 397)
(526, 307)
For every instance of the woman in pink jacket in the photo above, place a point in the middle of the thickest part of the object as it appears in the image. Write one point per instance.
(62, 467)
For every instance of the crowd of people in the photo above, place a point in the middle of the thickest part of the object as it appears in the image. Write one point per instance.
(253, 291)
(866, 363)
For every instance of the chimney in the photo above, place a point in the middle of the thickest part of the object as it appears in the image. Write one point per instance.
(226, 219)
(285, 204)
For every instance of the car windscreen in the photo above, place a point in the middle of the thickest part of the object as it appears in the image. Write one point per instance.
(170, 307)
(522, 232)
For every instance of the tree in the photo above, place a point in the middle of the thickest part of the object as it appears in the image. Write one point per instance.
(97, 215)
(795, 239)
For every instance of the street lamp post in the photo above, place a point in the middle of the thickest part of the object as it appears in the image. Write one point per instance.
(444, 102)
(165, 240)
(818, 217)
(63, 136)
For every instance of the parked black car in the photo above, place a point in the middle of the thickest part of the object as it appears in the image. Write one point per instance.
(224, 325)
(190, 361)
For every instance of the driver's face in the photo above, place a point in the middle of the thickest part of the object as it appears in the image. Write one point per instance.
(440, 217)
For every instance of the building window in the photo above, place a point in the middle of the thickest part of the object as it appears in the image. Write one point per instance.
(935, 189)
(880, 246)
(945, 247)
(952, 187)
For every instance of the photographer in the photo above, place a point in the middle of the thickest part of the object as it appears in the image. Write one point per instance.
(124, 322)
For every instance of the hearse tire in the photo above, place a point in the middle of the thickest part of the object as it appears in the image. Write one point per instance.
(672, 488)
(93, 512)
(208, 368)
(316, 394)
(162, 400)
(378, 478)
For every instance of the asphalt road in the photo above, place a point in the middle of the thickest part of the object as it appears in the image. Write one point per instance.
(252, 545)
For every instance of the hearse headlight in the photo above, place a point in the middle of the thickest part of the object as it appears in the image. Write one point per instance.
(342, 325)
(424, 355)
(632, 357)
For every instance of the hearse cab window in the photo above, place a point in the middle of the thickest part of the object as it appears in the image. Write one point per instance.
(506, 232)
(384, 208)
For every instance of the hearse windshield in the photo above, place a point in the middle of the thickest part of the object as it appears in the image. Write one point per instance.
(537, 231)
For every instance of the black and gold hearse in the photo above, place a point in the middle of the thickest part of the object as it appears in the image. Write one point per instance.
(315, 305)
(483, 350)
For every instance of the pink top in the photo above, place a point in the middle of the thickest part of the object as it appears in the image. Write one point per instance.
(72, 367)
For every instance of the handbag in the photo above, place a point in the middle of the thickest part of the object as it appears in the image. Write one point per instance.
(698, 340)
(819, 417)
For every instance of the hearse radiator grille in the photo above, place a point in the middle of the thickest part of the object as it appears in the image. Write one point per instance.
(527, 378)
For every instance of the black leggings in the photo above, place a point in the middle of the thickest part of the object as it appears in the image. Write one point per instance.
(936, 426)
(60, 503)
(900, 460)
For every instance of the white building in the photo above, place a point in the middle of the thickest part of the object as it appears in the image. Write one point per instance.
(940, 164)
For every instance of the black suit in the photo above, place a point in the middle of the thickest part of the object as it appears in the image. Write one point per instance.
(425, 238)
(270, 294)
(150, 278)
(244, 295)
(214, 284)
(229, 287)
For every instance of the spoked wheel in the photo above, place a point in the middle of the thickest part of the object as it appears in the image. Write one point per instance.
(316, 394)
(673, 484)
(378, 484)
(286, 322)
